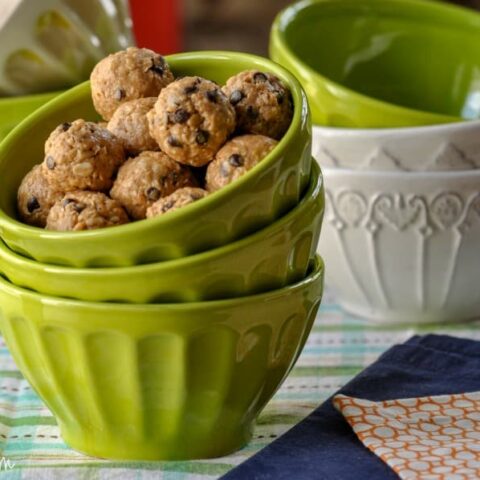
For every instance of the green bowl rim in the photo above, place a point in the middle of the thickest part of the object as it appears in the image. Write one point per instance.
(8, 101)
(284, 17)
(299, 112)
(311, 196)
(315, 272)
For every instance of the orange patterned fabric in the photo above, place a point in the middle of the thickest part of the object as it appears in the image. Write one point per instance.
(431, 438)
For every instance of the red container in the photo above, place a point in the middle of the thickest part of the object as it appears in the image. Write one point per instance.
(157, 24)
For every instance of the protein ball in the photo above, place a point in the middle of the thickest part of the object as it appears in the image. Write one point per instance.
(262, 103)
(83, 210)
(143, 180)
(81, 156)
(237, 157)
(191, 120)
(127, 75)
(176, 200)
(35, 198)
(129, 123)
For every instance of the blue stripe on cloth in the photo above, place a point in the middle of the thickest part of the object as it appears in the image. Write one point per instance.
(323, 446)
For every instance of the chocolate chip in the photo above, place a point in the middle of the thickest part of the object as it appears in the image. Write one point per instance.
(236, 97)
(252, 112)
(32, 204)
(236, 160)
(65, 126)
(190, 89)
(50, 161)
(202, 137)
(212, 95)
(153, 194)
(280, 98)
(174, 141)
(272, 87)
(157, 68)
(259, 77)
(119, 94)
(180, 116)
(168, 205)
(78, 207)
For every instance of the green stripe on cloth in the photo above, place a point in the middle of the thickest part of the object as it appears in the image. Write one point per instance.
(339, 347)
(10, 374)
(21, 421)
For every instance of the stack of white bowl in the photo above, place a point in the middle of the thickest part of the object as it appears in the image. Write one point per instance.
(401, 236)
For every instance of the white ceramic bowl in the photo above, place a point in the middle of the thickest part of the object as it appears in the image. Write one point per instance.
(403, 247)
(454, 146)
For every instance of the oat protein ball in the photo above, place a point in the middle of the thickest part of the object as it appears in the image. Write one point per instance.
(262, 103)
(129, 124)
(143, 180)
(237, 157)
(81, 156)
(127, 75)
(191, 120)
(35, 198)
(84, 210)
(176, 200)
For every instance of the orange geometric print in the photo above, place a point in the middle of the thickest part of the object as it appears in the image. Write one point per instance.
(431, 438)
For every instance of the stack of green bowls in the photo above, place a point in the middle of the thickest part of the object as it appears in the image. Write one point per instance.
(165, 338)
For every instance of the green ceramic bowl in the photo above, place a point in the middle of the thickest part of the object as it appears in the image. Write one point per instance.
(238, 269)
(155, 382)
(258, 198)
(14, 109)
(382, 63)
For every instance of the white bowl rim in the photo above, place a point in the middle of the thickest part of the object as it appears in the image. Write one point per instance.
(450, 175)
(422, 129)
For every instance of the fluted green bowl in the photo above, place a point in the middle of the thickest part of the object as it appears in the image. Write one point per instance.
(382, 63)
(238, 269)
(258, 198)
(158, 382)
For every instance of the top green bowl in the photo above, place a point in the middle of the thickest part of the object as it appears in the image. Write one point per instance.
(382, 63)
(258, 198)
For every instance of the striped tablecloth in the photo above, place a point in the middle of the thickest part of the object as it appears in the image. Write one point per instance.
(338, 348)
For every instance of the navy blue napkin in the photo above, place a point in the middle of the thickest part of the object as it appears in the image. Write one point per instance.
(323, 446)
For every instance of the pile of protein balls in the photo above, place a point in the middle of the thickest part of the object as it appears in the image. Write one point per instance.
(165, 143)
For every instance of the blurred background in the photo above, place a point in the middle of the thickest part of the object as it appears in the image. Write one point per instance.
(236, 24)
(49, 45)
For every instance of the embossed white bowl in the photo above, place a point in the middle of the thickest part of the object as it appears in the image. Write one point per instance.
(454, 146)
(403, 247)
